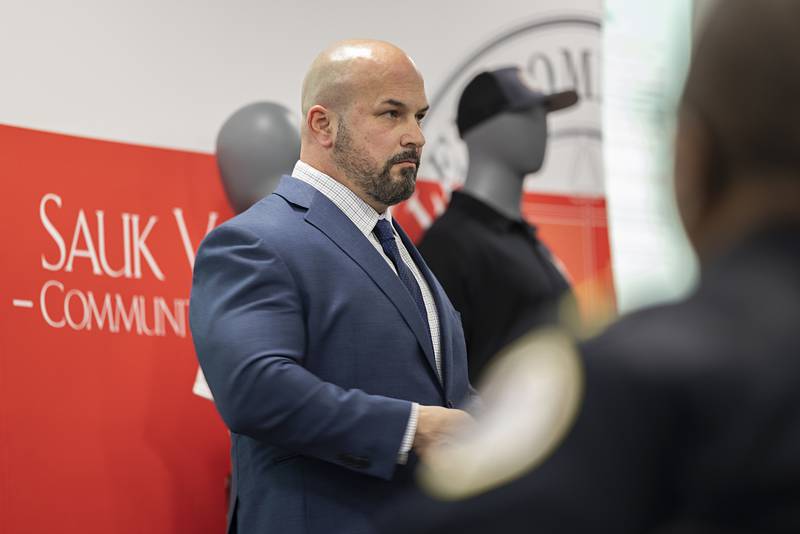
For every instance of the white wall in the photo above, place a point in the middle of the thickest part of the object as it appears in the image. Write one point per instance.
(169, 72)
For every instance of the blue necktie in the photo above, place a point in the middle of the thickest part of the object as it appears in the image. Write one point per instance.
(384, 233)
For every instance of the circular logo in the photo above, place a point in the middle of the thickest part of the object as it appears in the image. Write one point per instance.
(554, 53)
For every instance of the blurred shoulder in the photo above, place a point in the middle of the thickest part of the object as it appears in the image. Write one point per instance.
(671, 343)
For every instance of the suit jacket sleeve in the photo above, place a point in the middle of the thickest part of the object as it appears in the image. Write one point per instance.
(249, 330)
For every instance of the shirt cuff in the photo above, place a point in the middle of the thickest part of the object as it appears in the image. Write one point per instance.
(408, 437)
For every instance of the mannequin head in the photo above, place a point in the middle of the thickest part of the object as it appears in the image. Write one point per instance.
(503, 118)
(503, 122)
(256, 146)
(518, 139)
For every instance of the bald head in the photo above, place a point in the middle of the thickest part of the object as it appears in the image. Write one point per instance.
(363, 105)
(345, 68)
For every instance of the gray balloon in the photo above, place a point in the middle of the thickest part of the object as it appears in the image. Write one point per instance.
(255, 146)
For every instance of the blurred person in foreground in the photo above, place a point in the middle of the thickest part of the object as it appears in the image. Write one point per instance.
(690, 420)
(332, 353)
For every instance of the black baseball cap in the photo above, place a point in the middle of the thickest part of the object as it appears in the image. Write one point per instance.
(496, 91)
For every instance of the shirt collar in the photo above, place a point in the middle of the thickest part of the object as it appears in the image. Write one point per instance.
(485, 213)
(358, 211)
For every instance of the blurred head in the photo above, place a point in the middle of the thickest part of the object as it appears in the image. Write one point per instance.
(363, 102)
(738, 141)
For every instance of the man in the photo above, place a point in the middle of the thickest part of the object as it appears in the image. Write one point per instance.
(333, 354)
(691, 415)
(499, 275)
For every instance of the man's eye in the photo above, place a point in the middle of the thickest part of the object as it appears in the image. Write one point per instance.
(392, 113)
(420, 118)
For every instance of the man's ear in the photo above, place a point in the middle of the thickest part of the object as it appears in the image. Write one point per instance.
(321, 124)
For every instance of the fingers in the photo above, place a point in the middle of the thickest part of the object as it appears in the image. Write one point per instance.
(437, 425)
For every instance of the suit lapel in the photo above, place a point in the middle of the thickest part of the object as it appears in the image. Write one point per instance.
(445, 324)
(329, 219)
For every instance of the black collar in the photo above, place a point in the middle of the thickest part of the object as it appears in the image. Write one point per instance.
(486, 214)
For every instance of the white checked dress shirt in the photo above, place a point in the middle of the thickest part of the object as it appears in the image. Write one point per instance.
(364, 218)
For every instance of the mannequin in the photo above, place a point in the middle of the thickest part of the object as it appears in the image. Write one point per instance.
(502, 151)
(256, 146)
(497, 273)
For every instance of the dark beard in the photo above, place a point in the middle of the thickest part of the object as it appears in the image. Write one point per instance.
(379, 186)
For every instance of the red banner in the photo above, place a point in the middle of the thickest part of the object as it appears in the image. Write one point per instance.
(99, 430)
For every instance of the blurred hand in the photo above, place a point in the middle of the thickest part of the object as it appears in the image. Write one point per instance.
(436, 426)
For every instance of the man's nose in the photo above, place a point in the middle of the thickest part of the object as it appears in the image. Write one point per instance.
(413, 136)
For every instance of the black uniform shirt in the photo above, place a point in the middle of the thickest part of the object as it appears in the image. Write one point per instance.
(497, 273)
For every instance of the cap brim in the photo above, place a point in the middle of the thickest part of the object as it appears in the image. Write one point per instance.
(564, 99)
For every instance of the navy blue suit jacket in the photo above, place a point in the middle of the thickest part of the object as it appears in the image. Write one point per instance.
(313, 349)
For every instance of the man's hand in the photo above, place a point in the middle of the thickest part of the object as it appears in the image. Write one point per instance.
(437, 425)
